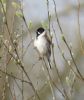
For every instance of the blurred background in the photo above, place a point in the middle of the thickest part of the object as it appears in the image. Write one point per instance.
(22, 31)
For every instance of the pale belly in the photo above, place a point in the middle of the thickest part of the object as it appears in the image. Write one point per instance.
(41, 46)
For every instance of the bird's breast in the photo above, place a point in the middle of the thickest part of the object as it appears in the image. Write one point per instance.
(41, 45)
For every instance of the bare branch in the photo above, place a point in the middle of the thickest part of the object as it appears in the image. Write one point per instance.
(63, 38)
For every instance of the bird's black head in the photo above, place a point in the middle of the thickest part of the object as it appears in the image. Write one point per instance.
(39, 31)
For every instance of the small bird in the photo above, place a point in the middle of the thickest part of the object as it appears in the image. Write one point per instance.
(43, 43)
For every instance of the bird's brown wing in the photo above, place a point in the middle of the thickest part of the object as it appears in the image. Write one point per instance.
(49, 39)
(47, 36)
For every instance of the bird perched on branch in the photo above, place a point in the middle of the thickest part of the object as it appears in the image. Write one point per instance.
(43, 43)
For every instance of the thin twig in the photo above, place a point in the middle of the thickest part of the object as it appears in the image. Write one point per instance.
(27, 48)
(49, 32)
(78, 20)
(48, 15)
(10, 92)
(22, 67)
(63, 54)
(50, 77)
(49, 80)
(63, 38)
(18, 85)
(66, 96)
(22, 54)
(14, 77)
(16, 59)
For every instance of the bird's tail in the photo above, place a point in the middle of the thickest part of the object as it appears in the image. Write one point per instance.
(49, 63)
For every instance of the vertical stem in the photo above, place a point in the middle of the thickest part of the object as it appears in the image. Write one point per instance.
(66, 96)
(48, 15)
(78, 20)
(22, 54)
(49, 79)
